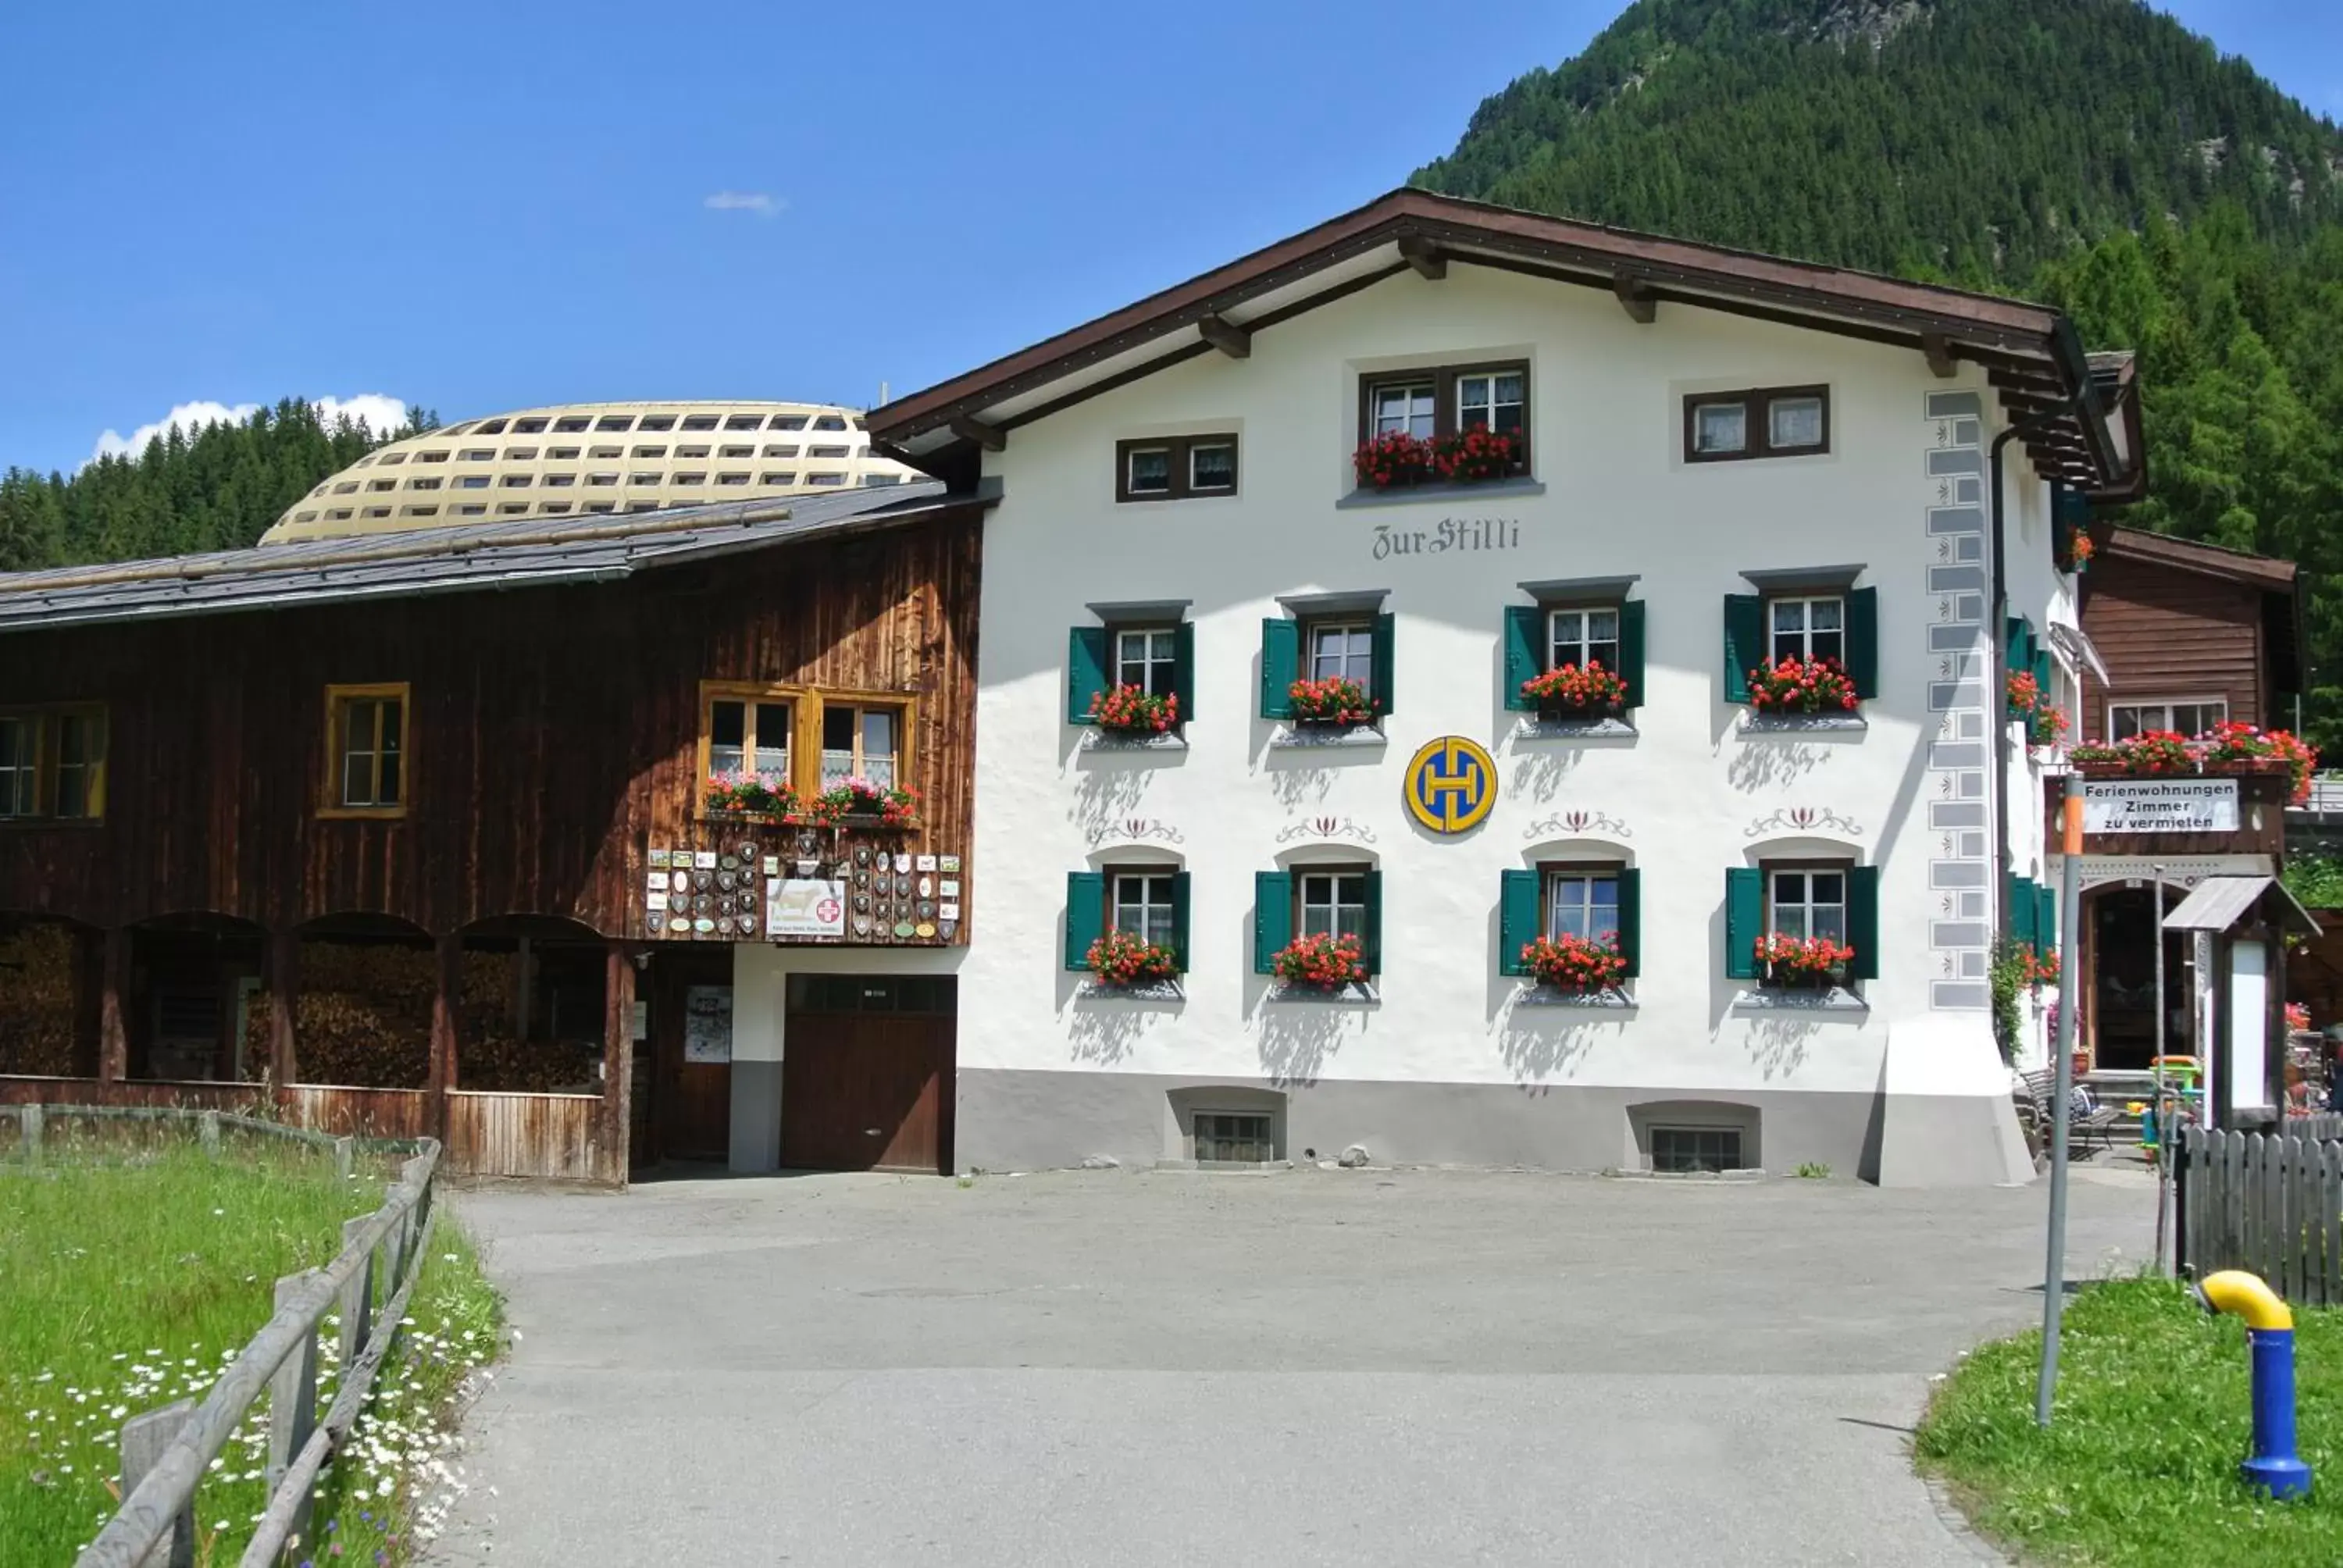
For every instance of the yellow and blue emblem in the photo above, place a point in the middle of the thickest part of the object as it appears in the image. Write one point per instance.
(1451, 785)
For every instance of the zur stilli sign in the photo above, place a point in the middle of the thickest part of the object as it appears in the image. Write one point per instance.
(2159, 804)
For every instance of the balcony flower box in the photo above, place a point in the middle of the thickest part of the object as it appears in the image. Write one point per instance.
(1396, 460)
(1575, 964)
(1321, 963)
(1122, 959)
(1393, 461)
(1131, 710)
(2243, 749)
(1809, 685)
(1331, 701)
(2047, 725)
(1571, 692)
(1475, 455)
(2158, 753)
(1802, 963)
(859, 802)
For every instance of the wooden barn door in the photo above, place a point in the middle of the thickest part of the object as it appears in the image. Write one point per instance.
(867, 1075)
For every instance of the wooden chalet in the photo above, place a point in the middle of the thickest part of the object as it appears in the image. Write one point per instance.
(410, 833)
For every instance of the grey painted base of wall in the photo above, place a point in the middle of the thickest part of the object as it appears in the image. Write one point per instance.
(1030, 1121)
(755, 1116)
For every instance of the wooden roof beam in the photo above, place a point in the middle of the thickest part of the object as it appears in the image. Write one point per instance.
(1423, 256)
(1939, 351)
(1226, 335)
(992, 438)
(1635, 297)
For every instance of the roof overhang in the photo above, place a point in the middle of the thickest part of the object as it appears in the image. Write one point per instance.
(2219, 903)
(2076, 432)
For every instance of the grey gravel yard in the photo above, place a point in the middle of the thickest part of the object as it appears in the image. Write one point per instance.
(1353, 1367)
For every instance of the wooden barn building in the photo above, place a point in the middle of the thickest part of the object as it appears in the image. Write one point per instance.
(411, 833)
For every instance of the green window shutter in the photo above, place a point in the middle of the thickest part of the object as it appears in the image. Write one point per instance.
(2020, 897)
(1180, 919)
(1744, 643)
(1862, 920)
(1517, 919)
(1523, 622)
(1280, 665)
(1372, 948)
(1086, 659)
(1183, 668)
(1631, 650)
(1745, 919)
(1381, 665)
(1863, 640)
(1273, 917)
(1631, 919)
(2045, 920)
(2045, 672)
(1085, 915)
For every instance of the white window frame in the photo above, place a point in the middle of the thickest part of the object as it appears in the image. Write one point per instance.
(1552, 881)
(1348, 629)
(1807, 904)
(1131, 471)
(2165, 705)
(1520, 404)
(1807, 632)
(1585, 643)
(1429, 401)
(1197, 486)
(1320, 889)
(1157, 671)
(1143, 893)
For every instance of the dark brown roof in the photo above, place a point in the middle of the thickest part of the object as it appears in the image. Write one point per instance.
(2031, 351)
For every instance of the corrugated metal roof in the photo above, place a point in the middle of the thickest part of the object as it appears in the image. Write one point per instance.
(523, 552)
(2219, 902)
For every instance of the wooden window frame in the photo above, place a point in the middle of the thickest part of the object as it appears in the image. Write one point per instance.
(2165, 703)
(330, 804)
(748, 693)
(1755, 415)
(1550, 870)
(1444, 378)
(807, 706)
(1182, 458)
(43, 717)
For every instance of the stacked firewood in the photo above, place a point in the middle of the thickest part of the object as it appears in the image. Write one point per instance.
(492, 1054)
(363, 1018)
(36, 1002)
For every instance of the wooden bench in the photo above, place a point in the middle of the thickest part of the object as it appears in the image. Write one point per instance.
(2033, 1092)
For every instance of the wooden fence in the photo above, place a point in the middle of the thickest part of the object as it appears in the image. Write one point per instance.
(2271, 1204)
(167, 1452)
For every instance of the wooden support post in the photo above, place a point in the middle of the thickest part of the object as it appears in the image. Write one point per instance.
(113, 1003)
(1635, 297)
(293, 1402)
(88, 977)
(283, 994)
(357, 1305)
(617, 1061)
(1939, 349)
(346, 1148)
(1423, 256)
(1225, 335)
(144, 1439)
(445, 1004)
(28, 1132)
(992, 438)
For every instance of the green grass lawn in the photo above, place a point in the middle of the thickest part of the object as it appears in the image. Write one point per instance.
(131, 1268)
(2140, 1462)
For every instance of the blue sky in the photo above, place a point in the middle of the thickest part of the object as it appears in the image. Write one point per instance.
(483, 208)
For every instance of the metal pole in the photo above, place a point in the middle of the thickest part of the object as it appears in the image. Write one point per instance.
(2165, 1130)
(2053, 1270)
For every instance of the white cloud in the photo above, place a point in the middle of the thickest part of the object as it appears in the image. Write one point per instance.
(382, 414)
(758, 202)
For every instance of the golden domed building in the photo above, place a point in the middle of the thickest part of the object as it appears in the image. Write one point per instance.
(580, 459)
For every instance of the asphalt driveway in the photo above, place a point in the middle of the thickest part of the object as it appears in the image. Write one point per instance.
(1112, 1368)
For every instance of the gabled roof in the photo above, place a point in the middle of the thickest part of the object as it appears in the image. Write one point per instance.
(2278, 582)
(2031, 351)
(524, 553)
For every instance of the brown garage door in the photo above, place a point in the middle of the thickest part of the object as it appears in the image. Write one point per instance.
(867, 1074)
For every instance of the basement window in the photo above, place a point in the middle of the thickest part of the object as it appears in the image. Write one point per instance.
(1688, 1150)
(1235, 1138)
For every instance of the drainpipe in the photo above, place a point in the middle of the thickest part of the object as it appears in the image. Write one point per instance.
(1996, 702)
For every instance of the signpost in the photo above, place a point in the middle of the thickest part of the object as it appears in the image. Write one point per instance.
(2054, 1270)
